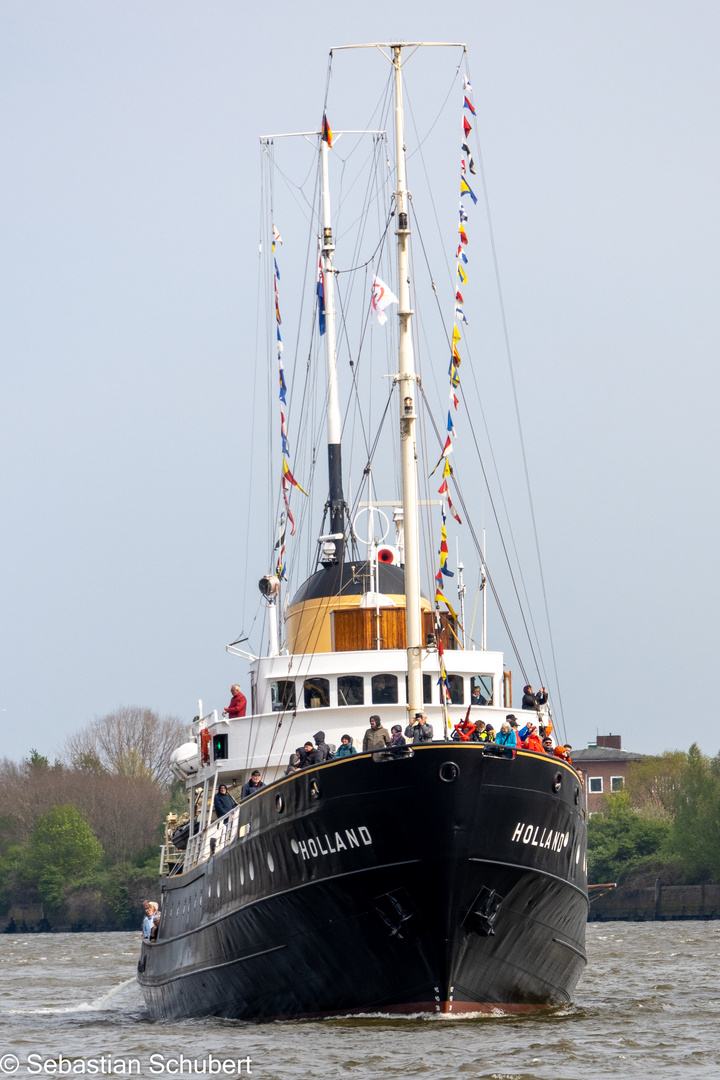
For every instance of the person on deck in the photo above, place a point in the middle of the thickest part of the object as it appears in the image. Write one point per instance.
(307, 755)
(346, 748)
(529, 700)
(322, 750)
(541, 696)
(396, 736)
(253, 785)
(295, 763)
(419, 730)
(223, 802)
(238, 705)
(488, 735)
(506, 736)
(533, 741)
(547, 745)
(376, 737)
(564, 752)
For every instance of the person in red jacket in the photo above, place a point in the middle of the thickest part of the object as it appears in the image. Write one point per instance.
(238, 704)
(533, 741)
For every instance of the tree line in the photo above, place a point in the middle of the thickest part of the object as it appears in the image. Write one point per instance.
(80, 837)
(665, 824)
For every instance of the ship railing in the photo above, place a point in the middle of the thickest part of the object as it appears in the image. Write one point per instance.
(214, 838)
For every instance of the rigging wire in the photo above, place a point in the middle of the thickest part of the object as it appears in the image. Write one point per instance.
(508, 349)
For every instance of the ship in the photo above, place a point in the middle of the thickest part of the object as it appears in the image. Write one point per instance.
(443, 877)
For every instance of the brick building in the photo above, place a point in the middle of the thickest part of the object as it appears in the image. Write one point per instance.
(604, 768)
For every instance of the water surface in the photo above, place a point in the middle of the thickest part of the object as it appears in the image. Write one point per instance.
(649, 1004)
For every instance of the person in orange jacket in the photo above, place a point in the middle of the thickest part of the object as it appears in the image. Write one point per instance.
(564, 753)
(533, 741)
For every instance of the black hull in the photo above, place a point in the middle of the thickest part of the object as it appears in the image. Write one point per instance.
(398, 889)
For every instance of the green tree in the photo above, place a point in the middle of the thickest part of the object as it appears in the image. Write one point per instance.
(695, 832)
(62, 847)
(655, 783)
(37, 760)
(620, 840)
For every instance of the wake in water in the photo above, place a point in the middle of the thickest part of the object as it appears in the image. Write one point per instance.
(125, 997)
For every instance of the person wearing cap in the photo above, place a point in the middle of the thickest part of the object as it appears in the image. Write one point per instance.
(346, 748)
(307, 755)
(376, 737)
(396, 736)
(547, 745)
(419, 730)
(506, 735)
(488, 735)
(253, 785)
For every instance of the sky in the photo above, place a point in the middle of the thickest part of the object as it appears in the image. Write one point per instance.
(129, 203)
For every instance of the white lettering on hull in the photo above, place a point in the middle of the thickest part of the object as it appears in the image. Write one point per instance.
(315, 846)
(549, 840)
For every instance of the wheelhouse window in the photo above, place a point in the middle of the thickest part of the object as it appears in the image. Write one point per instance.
(384, 690)
(595, 785)
(427, 689)
(617, 783)
(316, 693)
(283, 694)
(457, 689)
(481, 689)
(351, 690)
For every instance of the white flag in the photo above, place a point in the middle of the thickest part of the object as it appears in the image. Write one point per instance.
(382, 295)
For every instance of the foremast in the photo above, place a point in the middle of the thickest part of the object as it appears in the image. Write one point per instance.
(327, 301)
(407, 380)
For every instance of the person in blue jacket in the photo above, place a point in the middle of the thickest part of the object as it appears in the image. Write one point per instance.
(346, 748)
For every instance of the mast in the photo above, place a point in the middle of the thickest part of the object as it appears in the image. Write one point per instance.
(327, 247)
(407, 380)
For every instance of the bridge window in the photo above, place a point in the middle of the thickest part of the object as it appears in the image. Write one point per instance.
(317, 693)
(427, 689)
(484, 686)
(384, 690)
(457, 689)
(283, 694)
(351, 690)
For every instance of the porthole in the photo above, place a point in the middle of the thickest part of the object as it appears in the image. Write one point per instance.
(271, 862)
(229, 883)
(557, 782)
(209, 891)
(242, 875)
(314, 789)
(295, 846)
(449, 771)
(279, 803)
(218, 887)
(577, 795)
(251, 870)
(577, 855)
